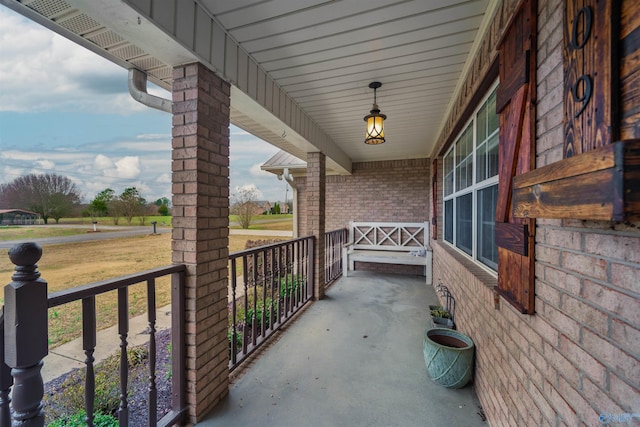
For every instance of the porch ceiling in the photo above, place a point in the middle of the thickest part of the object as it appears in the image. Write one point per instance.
(321, 54)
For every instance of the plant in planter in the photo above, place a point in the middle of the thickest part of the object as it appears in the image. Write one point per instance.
(448, 355)
(440, 317)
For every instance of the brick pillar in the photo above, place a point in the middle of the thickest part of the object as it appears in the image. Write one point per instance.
(200, 227)
(316, 179)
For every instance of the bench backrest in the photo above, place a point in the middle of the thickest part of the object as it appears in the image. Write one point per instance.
(389, 236)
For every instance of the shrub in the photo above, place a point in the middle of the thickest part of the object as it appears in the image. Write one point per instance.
(290, 285)
(78, 420)
(69, 400)
(238, 340)
(260, 308)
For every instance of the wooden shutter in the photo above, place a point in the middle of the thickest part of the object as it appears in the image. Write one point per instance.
(515, 102)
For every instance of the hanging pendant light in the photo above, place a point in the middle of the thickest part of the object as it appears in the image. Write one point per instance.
(375, 120)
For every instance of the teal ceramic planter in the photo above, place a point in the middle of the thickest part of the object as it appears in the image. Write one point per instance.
(448, 355)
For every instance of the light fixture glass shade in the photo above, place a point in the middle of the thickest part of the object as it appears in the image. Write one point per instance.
(375, 127)
(375, 120)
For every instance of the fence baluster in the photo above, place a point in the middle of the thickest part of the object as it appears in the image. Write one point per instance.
(245, 284)
(153, 392)
(234, 320)
(123, 330)
(89, 345)
(254, 316)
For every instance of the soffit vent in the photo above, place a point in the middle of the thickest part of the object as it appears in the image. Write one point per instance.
(71, 19)
(146, 62)
(106, 39)
(49, 8)
(127, 52)
(165, 74)
(80, 24)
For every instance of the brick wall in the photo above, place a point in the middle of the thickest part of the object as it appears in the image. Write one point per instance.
(315, 219)
(200, 235)
(375, 191)
(579, 355)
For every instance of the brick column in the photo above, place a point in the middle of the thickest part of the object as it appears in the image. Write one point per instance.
(316, 179)
(200, 227)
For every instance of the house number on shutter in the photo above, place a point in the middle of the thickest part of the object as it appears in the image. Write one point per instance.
(575, 44)
(590, 79)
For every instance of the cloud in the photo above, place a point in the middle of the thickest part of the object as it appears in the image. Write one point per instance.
(66, 110)
(256, 171)
(45, 164)
(128, 167)
(61, 74)
(249, 188)
(165, 178)
(102, 162)
(155, 136)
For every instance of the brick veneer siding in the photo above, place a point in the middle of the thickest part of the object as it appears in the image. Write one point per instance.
(393, 190)
(315, 218)
(200, 227)
(579, 355)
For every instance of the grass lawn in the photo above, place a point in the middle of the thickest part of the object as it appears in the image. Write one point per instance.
(70, 265)
(39, 231)
(285, 224)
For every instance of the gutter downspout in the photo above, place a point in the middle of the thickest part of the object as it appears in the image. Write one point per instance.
(287, 176)
(138, 91)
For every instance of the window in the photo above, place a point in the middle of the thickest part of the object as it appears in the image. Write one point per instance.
(471, 186)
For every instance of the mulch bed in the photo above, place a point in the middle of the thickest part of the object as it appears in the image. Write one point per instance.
(138, 385)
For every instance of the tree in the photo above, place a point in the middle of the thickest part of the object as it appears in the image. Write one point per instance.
(243, 204)
(163, 210)
(100, 205)
(50, 195)
(163, 201)
(163, 204)
(131, 203)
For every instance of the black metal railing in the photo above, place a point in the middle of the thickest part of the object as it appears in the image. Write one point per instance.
(87, 294)
(27, 393)
(269, 284)
(333, 243)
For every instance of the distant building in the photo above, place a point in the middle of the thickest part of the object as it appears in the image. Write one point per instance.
(18, 217)
(261, 206)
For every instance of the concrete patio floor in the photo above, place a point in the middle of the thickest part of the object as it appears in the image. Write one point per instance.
(353, 359)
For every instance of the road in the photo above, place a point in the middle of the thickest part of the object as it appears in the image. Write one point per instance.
(116, 232)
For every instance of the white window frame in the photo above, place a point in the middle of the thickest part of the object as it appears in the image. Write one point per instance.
(472, 189)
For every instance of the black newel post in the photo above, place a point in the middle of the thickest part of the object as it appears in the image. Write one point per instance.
(26, 334)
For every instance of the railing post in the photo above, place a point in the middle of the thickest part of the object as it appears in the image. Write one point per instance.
(26, 334)
(311, 265)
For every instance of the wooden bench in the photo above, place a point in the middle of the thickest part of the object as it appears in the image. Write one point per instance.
(388, 243)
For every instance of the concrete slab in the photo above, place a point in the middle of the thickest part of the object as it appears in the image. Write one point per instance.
(354, 358)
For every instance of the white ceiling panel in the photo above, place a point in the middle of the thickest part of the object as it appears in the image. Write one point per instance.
(306, 64)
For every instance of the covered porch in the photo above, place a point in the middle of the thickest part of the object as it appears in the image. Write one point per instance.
(477, 95)
(355, 358)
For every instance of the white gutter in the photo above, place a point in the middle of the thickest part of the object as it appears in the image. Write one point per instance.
(287, 176)
(138, 91)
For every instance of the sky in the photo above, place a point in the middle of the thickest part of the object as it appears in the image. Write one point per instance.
(67, 110)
